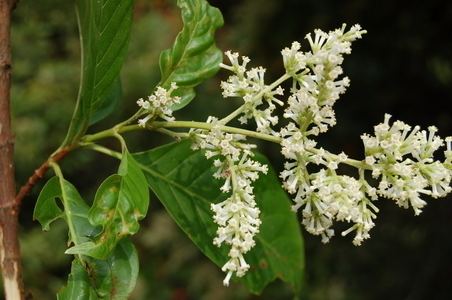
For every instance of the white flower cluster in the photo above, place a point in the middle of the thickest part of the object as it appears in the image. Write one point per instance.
(326, 197)
(323, 196)
(250, 86)
(158, 105)
(403, 158)
(237, 216)
(315, 73)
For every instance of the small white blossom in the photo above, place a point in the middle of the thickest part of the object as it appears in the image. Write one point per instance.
(159, 104)
(294, 60)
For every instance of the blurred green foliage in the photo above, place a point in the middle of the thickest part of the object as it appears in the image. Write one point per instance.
(403, 66)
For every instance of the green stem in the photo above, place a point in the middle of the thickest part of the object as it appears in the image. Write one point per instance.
(173, 134)
(109, 133)
(135, 116)
(210, 126)
(101, 149)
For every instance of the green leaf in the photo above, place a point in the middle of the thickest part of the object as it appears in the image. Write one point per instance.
(79, 286)
(194, 56)
(113, 278)
(183, 181)
(75, 210)
(104, 34)
(47, 210)
(120, 202)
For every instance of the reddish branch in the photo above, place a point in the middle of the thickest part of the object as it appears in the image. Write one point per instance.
(39, 173)
(10, 260)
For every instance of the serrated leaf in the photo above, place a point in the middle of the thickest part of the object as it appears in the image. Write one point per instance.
(120, 202)
(104, 27)
(75, 210)
(194, 56)
(79, 286)
(182, 180)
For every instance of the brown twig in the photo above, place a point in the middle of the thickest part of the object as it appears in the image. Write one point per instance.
(39, 173)
(10, 259)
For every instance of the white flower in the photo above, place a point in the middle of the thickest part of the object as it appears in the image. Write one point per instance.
(294, 60)
(159, 104)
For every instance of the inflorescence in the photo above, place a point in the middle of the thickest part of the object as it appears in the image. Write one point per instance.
(400, 159)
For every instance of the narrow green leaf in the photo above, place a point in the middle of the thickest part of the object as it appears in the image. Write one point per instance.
(183, 181)
(194, 56)
(79, 286)
(75, 210)
(120, 202)
(104, 27)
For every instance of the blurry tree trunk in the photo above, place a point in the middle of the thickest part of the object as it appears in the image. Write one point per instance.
(9, 244)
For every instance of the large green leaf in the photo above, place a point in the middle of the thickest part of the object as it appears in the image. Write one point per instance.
(74, 212)
(182, 180)
(104, 34)
(120, 202)
(113, 278)
(194, 56)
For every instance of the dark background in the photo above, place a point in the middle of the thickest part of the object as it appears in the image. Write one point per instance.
(403, 66)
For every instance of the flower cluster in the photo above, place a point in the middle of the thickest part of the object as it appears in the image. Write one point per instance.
(159, 104)
(324, 196)
(315, 74)
(403, 158)
(250, 85)
(237, 216)
(399, 157)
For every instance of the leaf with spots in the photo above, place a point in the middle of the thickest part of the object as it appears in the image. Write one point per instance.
(120, 202)
(79, 286)
(113, 278)
(182, 180)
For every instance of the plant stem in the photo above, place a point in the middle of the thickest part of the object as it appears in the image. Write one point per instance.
(209, 126)
(39, 173)
(109, 133)
(103, 150)
(10, 259)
